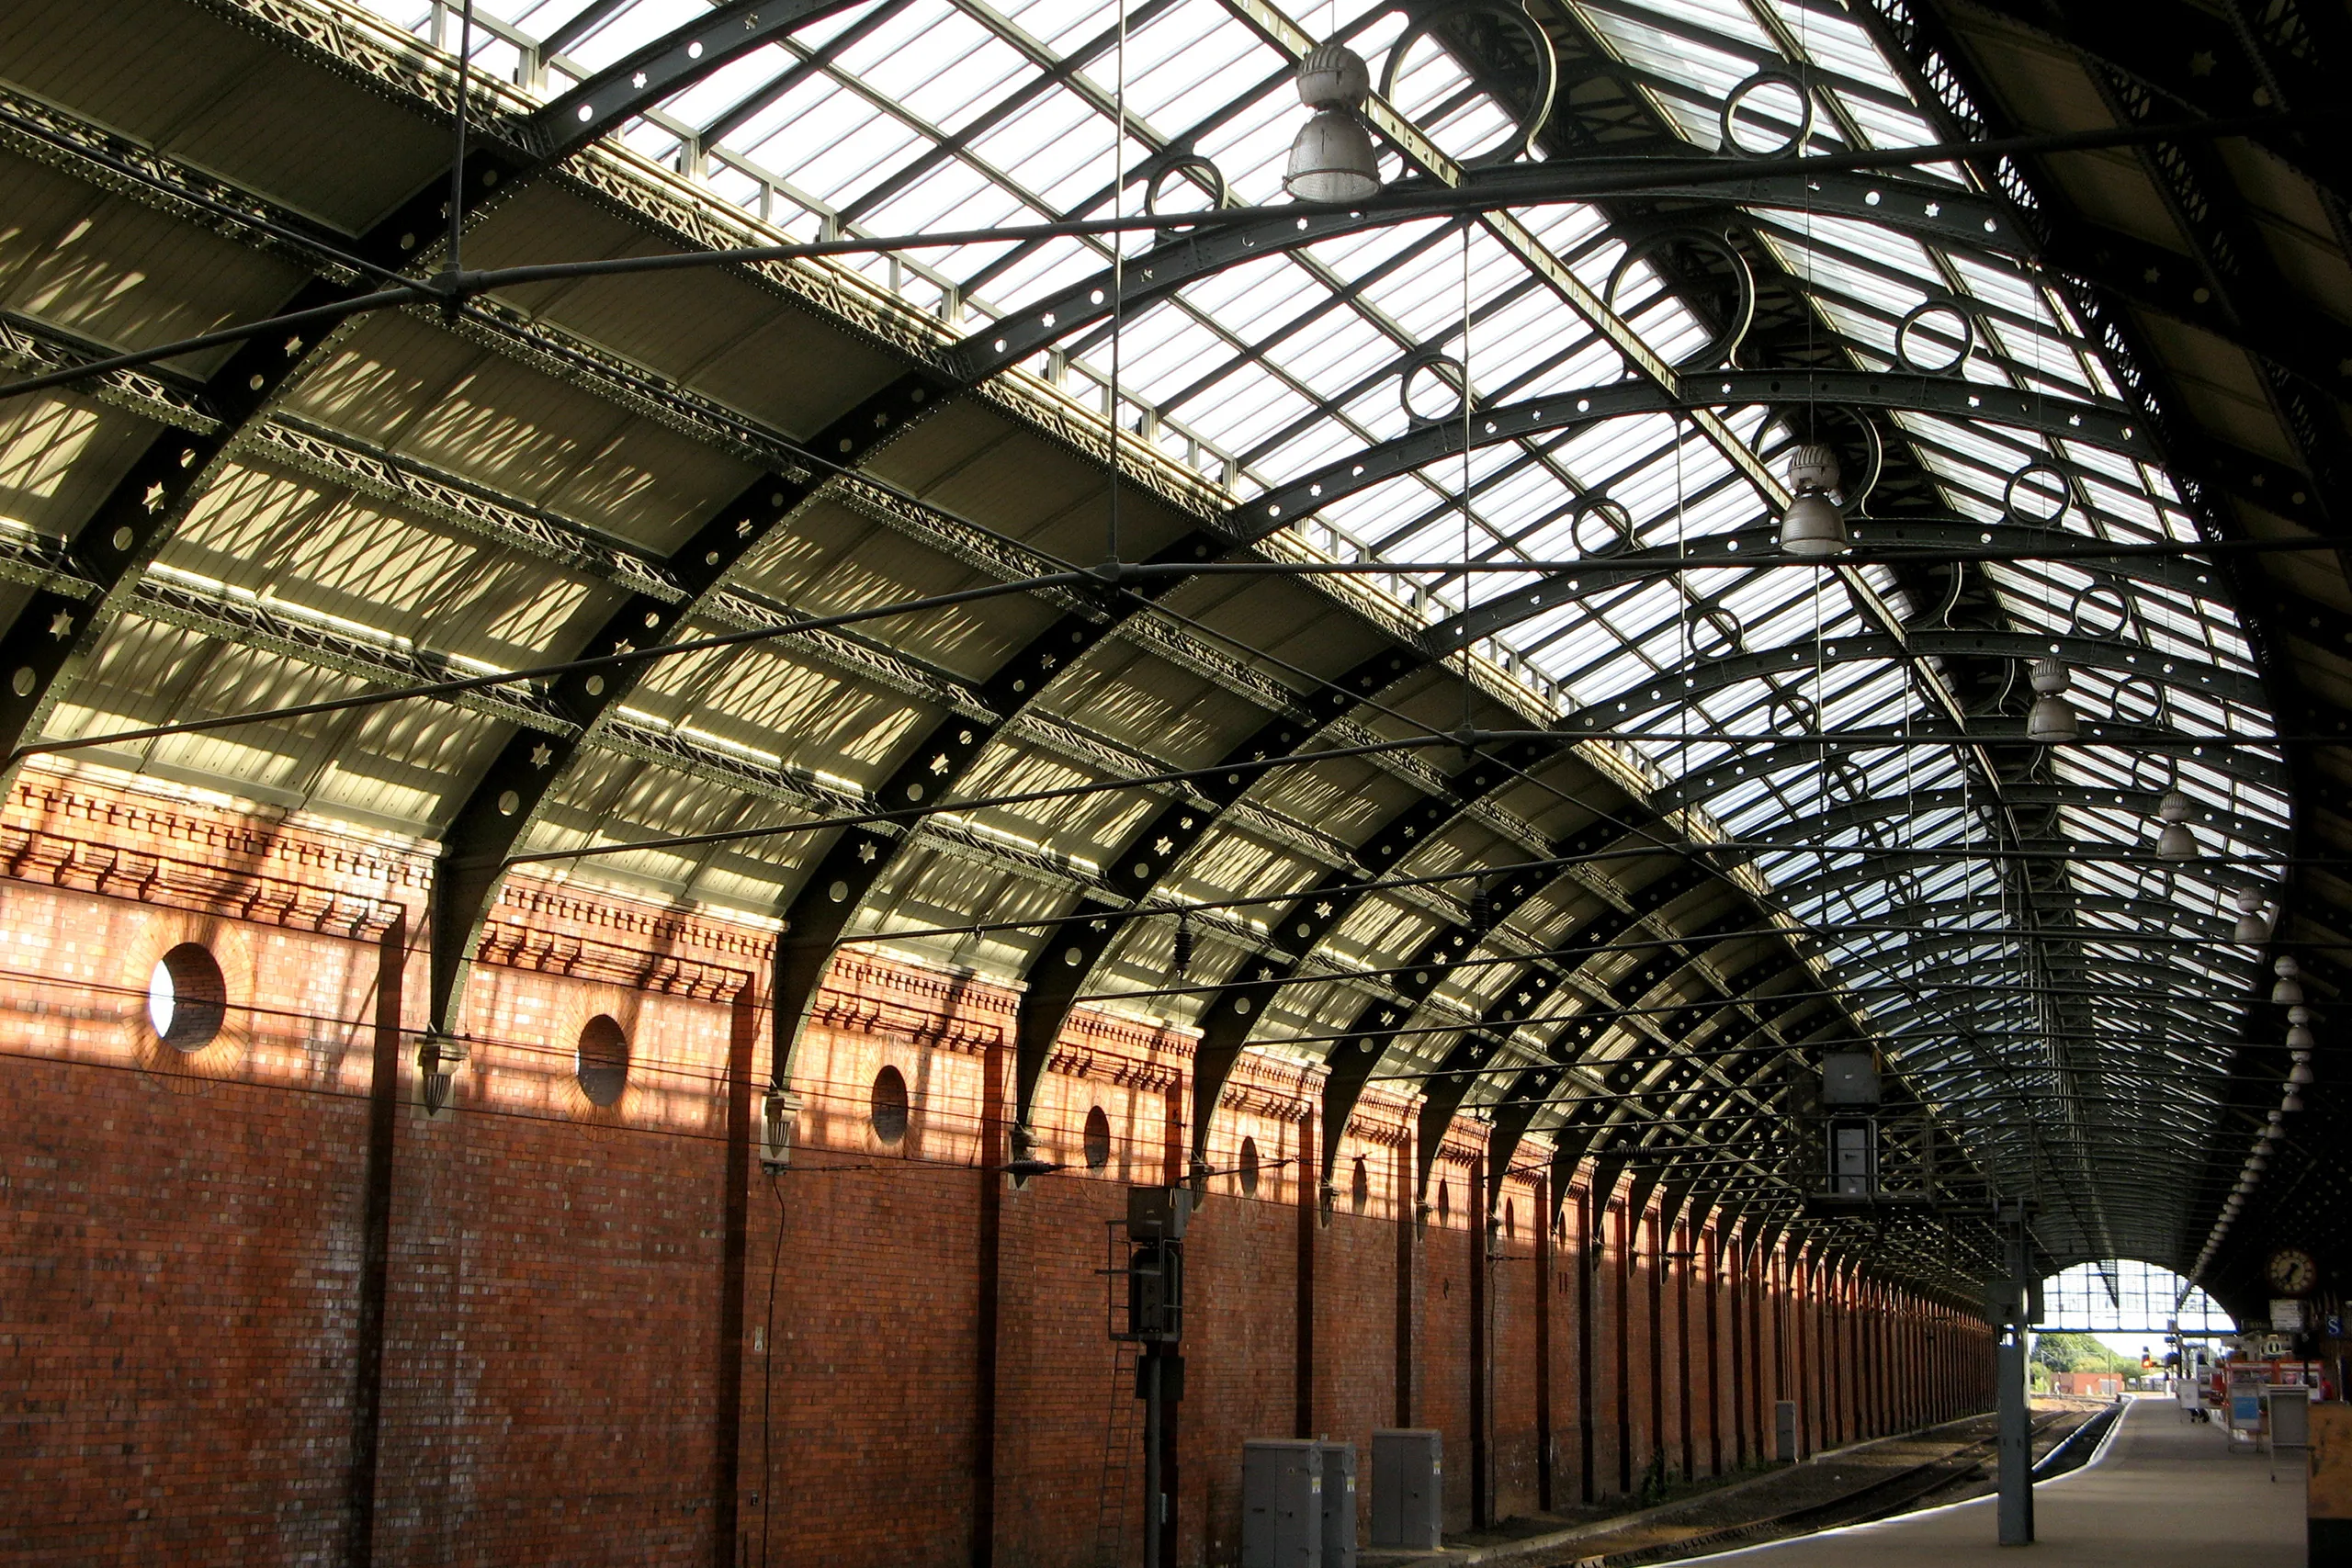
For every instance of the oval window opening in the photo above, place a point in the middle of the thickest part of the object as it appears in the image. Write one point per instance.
(1360, 1185)
(1248, 1168)
(1098, 1139)
(188, 1000)
(603, 1063)
(888, 1109)
(1444, 1205)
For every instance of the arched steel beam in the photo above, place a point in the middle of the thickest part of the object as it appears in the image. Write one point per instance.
(1746, 760)
(2053, 942)
(1230, 1012)
(1351, 1063)
(1941, 215)
(2211, 928)
(54, 631)
(509, 797)
(1060, 969)
(1927, 535)
(2108, 427)
(2223, 1014)
(837, 885)
(1705, 677)
(1808, 830)
(1442, 1097)
(1532, 1092)
(1816, 891)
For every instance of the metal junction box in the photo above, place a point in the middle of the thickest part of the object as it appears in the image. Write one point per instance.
(1408, 1488)
(1339, 1504)
(1282, 1503)
(1784, 1431)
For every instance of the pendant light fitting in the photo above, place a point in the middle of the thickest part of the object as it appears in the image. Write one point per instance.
(2052, 718)
(1332, 158)
(1812, 526)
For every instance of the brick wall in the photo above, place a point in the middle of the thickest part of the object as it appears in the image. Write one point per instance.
(260, 1307)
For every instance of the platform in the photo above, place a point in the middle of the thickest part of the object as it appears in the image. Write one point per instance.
(2164, 1493)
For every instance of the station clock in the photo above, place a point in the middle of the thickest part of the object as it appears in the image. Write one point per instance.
(2291, 1272)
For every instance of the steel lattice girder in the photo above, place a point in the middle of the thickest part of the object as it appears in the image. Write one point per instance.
(1702, 678)
(1960, 218)
(53, 632)
(1928, 536)
(2107, 426)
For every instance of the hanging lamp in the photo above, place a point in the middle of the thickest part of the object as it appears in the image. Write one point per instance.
(1332, 159)
(2300, 1074)
(2052, 717)
(1812, 526)
(2177, 840)
(2289, 990)
(2253, 926)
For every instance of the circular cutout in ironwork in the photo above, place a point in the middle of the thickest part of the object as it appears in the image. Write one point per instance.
(886, 1106)
(1920, 325)
(1426, 372)
(1196, 172)
(2039, 493)
(2139, 700)
(1736, 320)
(1845, 783)
(188, 998)
(1476, 23)
(1792, 712)
(1717, 634)
(1789, 84)
(1601, 527)
(2100, 611)
(1098, 1139)
(601, 1061)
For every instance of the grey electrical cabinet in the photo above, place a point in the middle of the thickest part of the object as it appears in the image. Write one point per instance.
(1784, 1431)
(1339, 1504)
(1408, 1488)
(1282, 1503)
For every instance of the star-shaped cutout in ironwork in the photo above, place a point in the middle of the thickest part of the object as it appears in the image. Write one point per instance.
(2201, 63)
(154, 500)
(939, 763)
(542, 754)
(1323, 910)
(624, 646)
(1163, 846)
(61, 625)
(865, 852)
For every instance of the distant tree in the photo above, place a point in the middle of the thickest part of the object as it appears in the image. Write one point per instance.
(2075, 1353)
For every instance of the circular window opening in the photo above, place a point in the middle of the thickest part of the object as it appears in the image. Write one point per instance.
(888, 1107)
(1248, 1168)
(188, 1000)
(603, 1063)
(1360, 1185)
(1098, 1139)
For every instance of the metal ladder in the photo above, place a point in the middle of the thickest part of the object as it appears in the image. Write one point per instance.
(1122, 1443)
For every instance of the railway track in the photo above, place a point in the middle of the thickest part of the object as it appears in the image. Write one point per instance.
(1893, 1493)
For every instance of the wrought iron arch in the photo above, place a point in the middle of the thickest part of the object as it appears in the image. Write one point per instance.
(1927, 535)
(1943, 214)
(55, 631)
